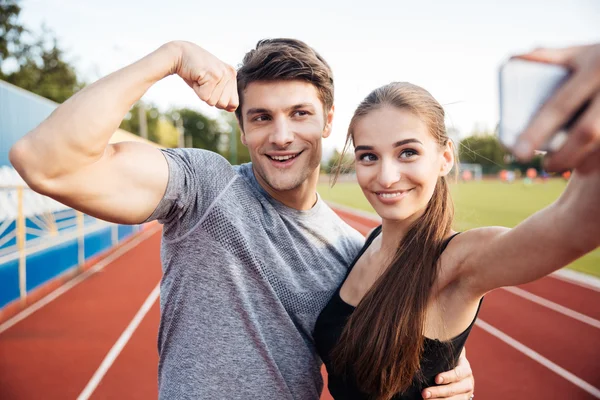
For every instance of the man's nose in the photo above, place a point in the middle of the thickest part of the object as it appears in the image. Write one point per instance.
(282, 135)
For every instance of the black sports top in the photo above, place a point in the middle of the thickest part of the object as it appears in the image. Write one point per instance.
(437, 357)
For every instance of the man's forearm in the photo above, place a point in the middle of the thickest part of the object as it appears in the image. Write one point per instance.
(76, 134)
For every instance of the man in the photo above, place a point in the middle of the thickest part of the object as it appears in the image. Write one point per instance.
(250, 254)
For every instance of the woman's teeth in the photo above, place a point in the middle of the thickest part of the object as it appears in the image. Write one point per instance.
(389, 195)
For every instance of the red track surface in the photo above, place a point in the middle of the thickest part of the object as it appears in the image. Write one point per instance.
(53, 353)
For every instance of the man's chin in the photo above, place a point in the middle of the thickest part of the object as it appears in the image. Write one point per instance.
(280, 179)
(283, 185)
(287, 179)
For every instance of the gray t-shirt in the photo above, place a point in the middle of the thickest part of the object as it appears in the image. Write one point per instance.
(245, 279)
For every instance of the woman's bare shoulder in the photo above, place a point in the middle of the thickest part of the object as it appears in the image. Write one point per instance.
(462, 247)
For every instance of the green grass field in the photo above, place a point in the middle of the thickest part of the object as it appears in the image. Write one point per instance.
(482, 203)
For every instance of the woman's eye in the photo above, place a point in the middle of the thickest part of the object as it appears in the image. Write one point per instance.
(367, 157)
(408, 153)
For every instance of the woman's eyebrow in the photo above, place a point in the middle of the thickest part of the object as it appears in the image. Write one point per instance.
(397, 144)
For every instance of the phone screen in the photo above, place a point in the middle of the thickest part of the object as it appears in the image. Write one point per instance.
(524, 87)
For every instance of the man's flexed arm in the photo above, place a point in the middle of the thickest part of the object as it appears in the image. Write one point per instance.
(68, 157)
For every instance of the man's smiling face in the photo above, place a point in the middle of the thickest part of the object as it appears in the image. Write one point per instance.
(284, 123)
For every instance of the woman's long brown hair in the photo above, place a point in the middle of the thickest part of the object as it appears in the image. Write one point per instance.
(382, 343)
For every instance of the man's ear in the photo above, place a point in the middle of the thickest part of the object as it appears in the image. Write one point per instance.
(328, 122)
(448, 159)
(242, 134)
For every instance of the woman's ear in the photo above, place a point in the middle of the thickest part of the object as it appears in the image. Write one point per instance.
(447, 158)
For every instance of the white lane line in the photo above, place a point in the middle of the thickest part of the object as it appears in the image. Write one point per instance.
(539, 358)
(577, 278)
(77, 280)
(119, 345)
(554, 306)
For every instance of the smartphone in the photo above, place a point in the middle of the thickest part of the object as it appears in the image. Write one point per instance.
(523, 87)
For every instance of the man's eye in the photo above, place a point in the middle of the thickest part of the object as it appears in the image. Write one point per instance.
(261, 118)
(301, 113)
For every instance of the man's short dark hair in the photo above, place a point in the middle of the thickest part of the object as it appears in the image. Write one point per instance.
(285, 59)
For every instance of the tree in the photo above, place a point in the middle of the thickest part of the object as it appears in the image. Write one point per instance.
(166, 133)
(38, 65)
(205, 132)
(232, 128)
(45, 72)
(131, 122)
(10, 29)
(485, 150)
(336, 163)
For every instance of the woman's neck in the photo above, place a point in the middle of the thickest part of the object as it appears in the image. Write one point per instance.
(393, 232)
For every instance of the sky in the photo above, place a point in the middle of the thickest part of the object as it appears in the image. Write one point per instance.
(451, 48)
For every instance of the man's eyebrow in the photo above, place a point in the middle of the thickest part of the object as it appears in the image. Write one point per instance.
(301, 105)
(258, 110)
(397, 144)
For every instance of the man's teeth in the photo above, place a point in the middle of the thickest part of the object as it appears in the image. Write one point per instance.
(282, 158)
(389, 195)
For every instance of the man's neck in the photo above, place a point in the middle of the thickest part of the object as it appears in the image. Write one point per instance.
(302, 198)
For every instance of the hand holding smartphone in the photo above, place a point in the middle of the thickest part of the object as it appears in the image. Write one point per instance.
(524, 86)
(550, 100)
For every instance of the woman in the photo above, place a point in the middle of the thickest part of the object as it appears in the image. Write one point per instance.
(413, 293)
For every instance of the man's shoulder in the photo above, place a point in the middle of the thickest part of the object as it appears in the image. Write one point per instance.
(193, 155)
(198, 169)
(244, 170)
(349, 233)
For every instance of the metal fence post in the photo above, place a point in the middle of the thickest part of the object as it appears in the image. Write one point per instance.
(114, 234)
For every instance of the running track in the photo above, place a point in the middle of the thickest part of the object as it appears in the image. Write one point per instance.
(97, 339)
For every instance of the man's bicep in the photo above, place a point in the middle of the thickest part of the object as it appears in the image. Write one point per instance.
(124, 186)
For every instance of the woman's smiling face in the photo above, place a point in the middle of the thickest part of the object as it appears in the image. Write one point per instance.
(398, 161)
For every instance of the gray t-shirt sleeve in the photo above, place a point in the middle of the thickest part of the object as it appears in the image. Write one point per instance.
(196, 179)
